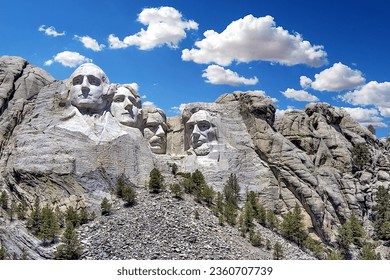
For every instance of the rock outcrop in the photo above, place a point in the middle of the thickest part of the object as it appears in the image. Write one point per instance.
(57, 145)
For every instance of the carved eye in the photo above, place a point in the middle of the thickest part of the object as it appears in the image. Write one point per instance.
(203, 126)
(119, 98)
(78, 80)
(94, 80)
(190, 127)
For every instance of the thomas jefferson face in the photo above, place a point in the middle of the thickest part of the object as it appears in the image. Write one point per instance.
(126, 107)
(200, 132)
(155, 132)
(88, 86)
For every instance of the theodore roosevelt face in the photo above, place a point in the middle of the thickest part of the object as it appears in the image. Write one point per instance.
(126, 107)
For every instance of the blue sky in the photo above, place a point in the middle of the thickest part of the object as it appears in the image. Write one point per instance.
(180, 51)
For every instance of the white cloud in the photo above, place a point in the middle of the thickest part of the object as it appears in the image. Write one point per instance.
(134, 86)
(116, 43)
(50, 31)
(68, 59)
(217, 75)
(299, 95)
(165, 26)
(280, 113)
(372, 93)
(178, 109)
(249, 39)
(305, 82)
(336, 78)
(366, 116)
(148, 104)
(90, 43)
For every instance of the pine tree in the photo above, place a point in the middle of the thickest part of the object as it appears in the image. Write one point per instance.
(361, 156)
(129, 196)
(83, 216)
(357, 230)
(292, 226)
(48, 228)
(21, 210)
(247, 216)
(382, 213)
(156, 181)
(255, 238)
(72, 216)
(34, 220)
(208, 195)
(231, 190)
(176, 190)
(200, 184)
(368, 253)
(105, 207)
(4, 200)
(70, 249)
(335, 255)
(174, 169)
(278, 251)
(188, 185)
(230, 213)
(272, 221)
(3, 253)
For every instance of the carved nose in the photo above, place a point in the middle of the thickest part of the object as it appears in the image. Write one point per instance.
(85, 90)
(160, 131)
(196, 130)
(127, 104)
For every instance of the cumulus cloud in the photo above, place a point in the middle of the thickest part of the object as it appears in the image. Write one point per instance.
(178, 109)
(90, 43)
(218, 75)
(68, 59)
(165, 26)
(250, 39)
(299, 95)
(336, 78)
(116, 43)
(372, 93)
(148, 104)
(305, 82)
(281, 112)
(50, 31)
(366, 116)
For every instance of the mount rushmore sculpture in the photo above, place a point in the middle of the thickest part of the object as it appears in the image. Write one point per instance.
(69, 142)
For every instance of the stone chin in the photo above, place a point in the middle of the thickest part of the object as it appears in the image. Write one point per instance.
(158, 147)
(202, 150)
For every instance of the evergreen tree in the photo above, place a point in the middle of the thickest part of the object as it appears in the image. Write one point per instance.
(208, 195)
(278, 251)
(247, 216)
(255, 238)
(70, 249)
(4, 200)
(60, 217)
(199, 184)
(21, 210)
(3, 253)
(361, 156)
(230, 212)
(176, 190)
(129, 196)
(12, 210)
(105, 207)
(48, 228)
(219, 203)
(272, 221)
(120, 186)
(292, 226)
(188, 185)
(335, 255)
(71, 216)
(231, 190)
(368, 253)
(156, 181)
(357, 230)
(174, 169)
(382, 213)
(83, 216)
(34, 220)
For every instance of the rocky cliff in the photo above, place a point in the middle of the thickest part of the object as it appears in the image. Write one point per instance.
(57, 145)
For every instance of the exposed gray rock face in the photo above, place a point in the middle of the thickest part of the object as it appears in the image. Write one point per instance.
(71, 154)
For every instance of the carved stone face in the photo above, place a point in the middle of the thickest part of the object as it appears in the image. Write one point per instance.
(88, 85)
(155, 132)
(126, 107)
(200, 132)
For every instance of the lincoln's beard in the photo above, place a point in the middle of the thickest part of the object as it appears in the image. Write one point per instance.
(202, 150)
